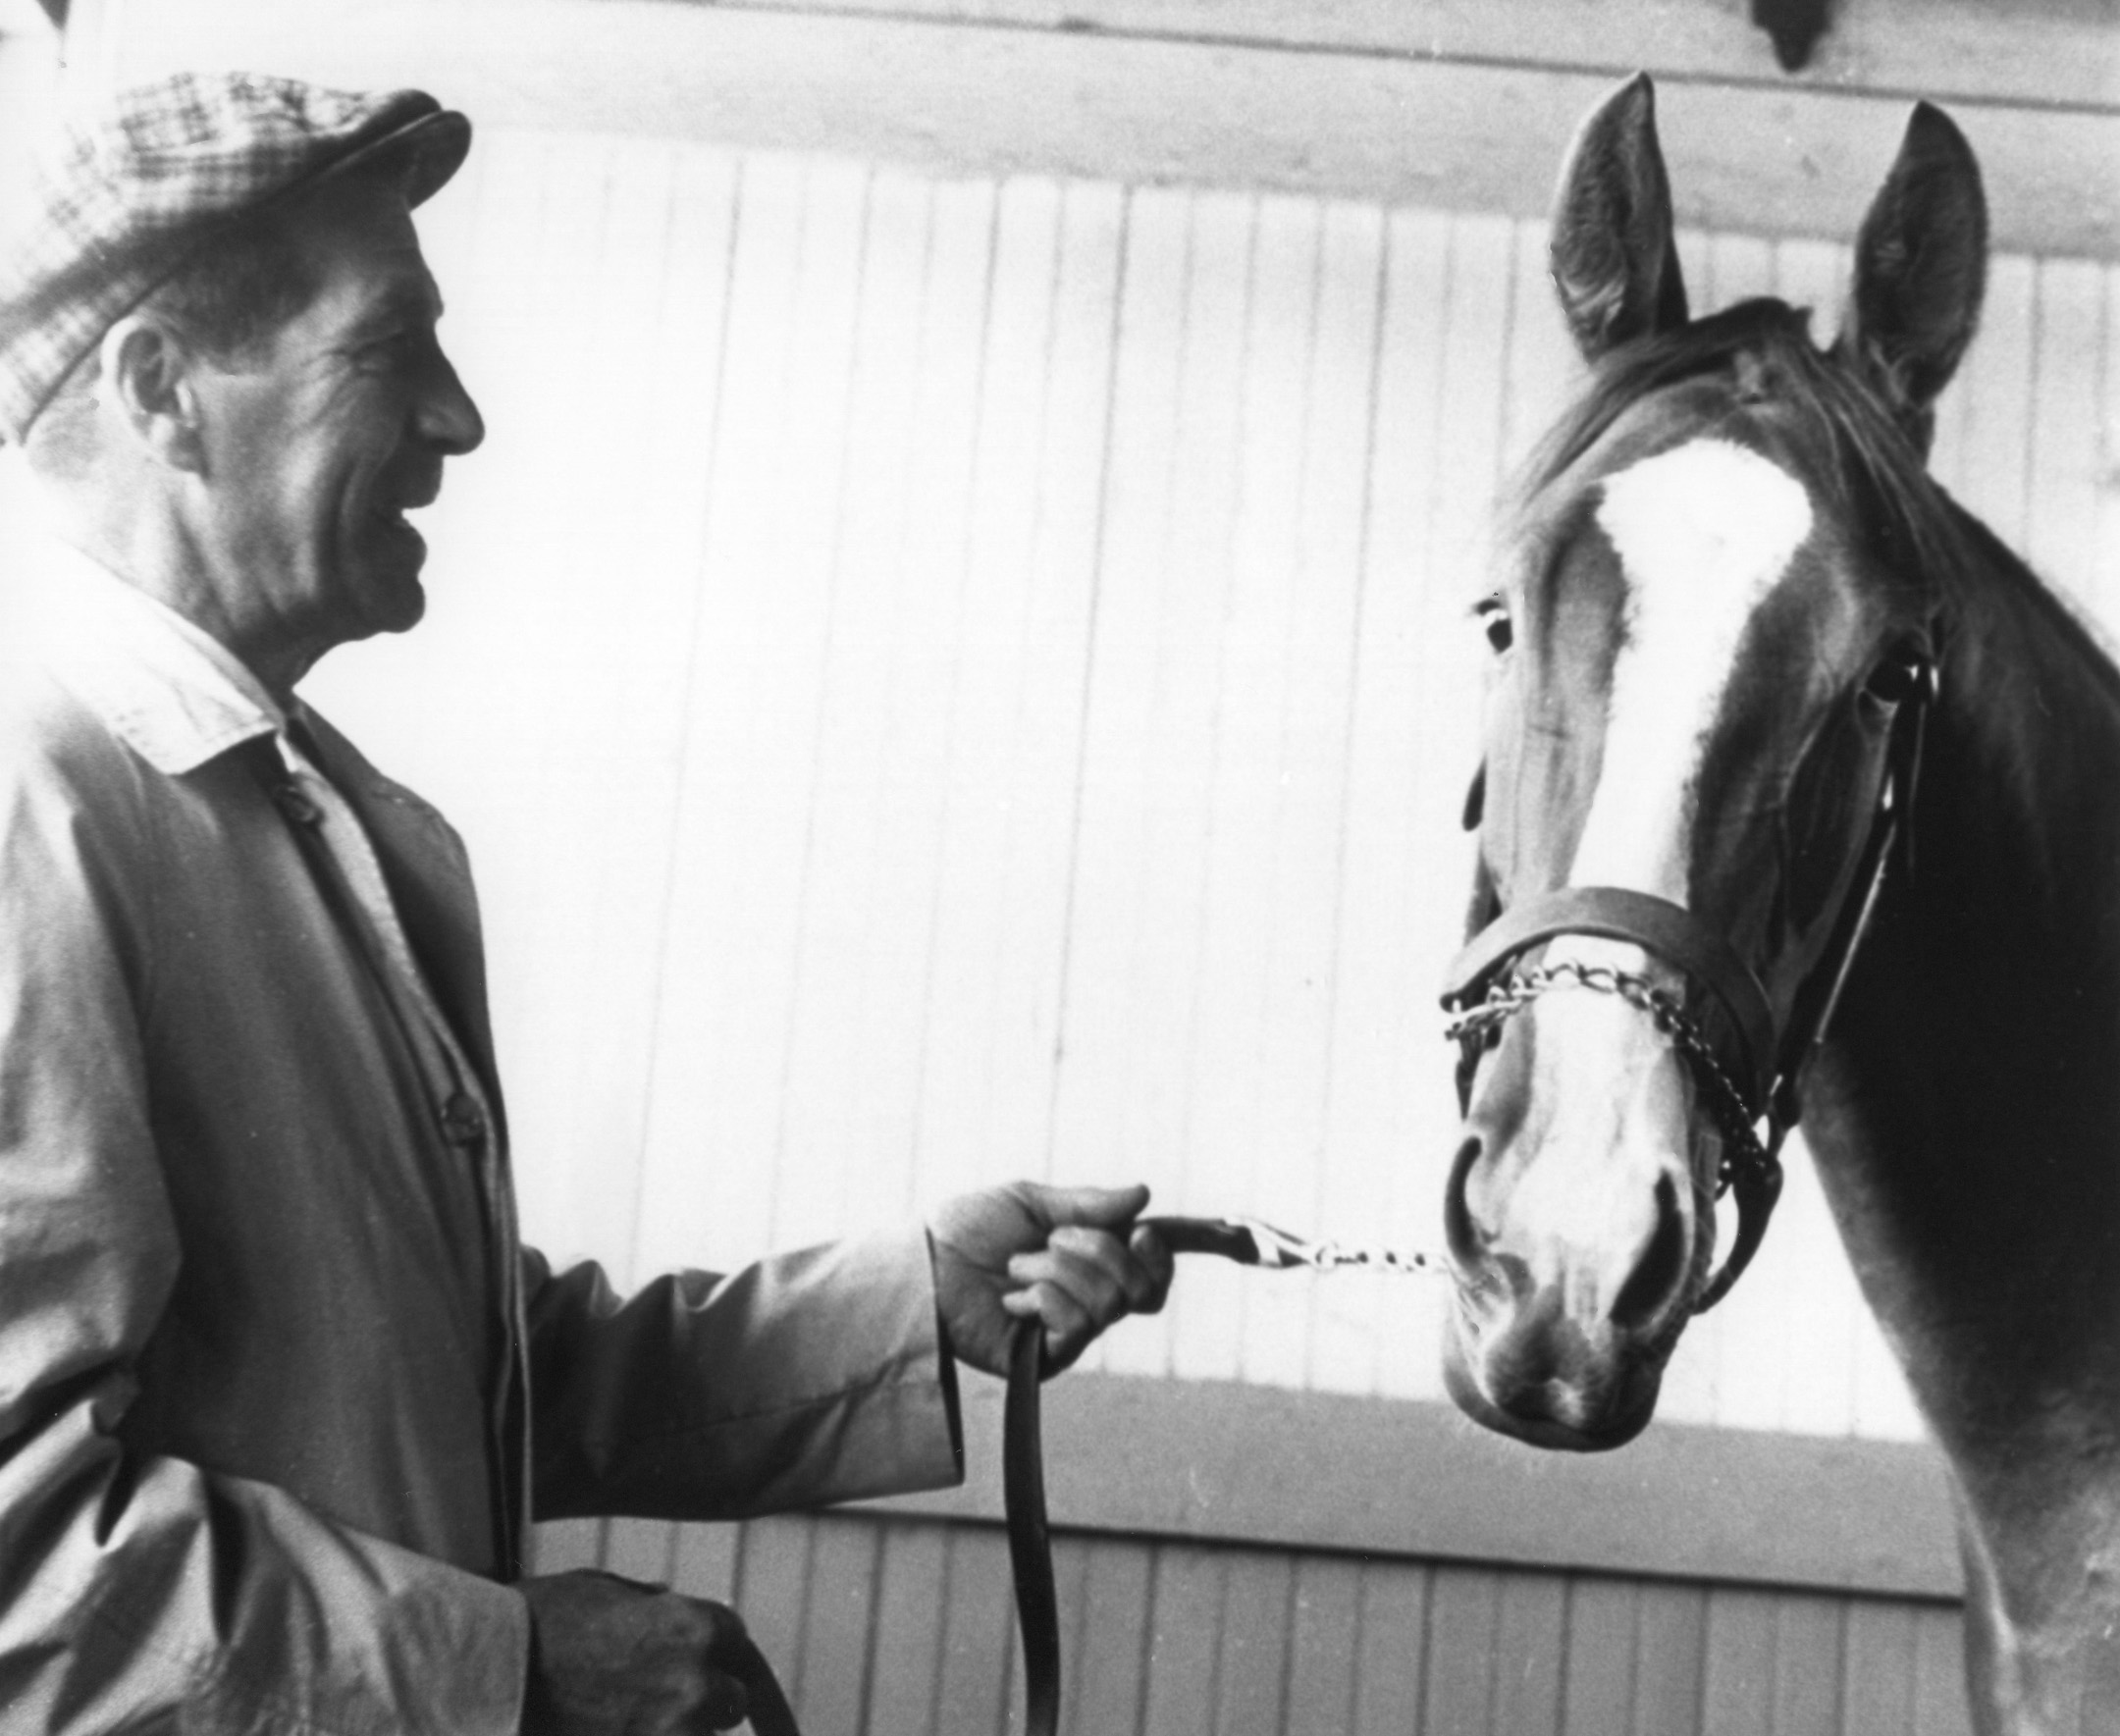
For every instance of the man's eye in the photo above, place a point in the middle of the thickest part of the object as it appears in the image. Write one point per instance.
(1494, 618)
(392, 351)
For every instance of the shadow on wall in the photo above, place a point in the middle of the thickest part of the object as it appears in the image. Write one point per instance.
(1794, 27)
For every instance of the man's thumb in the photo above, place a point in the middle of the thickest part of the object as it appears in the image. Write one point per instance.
(1101, 1208)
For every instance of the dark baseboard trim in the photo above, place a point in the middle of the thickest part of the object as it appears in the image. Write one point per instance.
(1217, 1461)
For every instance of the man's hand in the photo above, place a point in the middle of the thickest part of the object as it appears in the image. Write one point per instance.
(610, 1657)
(1070, 1255)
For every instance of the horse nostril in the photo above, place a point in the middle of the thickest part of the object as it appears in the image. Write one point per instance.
(1466, 1240)
(1662, 1268)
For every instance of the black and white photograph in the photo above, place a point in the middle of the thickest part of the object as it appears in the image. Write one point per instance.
(1060, 868)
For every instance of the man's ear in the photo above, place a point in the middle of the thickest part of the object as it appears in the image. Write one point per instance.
(148, 382)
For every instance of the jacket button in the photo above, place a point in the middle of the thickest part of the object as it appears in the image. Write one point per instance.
(294, 801)
(464, 1121)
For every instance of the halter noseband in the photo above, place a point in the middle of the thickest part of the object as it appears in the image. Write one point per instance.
(1747, 1076)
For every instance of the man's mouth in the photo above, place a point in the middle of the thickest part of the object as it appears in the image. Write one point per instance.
(409, 494)
(396, 527)
(391, 513)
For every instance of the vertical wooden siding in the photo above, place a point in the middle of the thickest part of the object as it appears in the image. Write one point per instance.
(947, 680)
(884, 1628)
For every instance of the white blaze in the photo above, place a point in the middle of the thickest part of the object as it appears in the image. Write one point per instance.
(1702, 532)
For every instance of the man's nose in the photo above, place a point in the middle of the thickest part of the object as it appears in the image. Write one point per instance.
(448, 421)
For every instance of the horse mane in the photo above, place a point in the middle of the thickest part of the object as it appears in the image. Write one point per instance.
(1778, 375)
(2083, 634)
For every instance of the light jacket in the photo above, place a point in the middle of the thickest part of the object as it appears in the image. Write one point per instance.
(279, 1388)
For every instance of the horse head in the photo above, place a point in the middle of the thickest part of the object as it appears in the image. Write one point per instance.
(1714, 628)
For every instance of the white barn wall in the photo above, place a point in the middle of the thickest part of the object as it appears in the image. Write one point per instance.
(952, 664)
(997, 651)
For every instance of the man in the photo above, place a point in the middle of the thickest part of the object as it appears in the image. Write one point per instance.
(278, 1387)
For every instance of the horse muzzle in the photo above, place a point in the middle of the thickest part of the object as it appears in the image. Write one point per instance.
(1528, 1387)
(1578, 1228)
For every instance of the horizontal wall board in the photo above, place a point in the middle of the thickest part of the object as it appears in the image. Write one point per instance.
(993, 100)
(2040, 53)
(1217, 1461)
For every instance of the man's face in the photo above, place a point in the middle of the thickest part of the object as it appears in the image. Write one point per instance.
(317, 444)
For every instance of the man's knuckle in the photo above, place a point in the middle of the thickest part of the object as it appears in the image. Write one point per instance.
(702, 1623)
(1081, 1240)
(725, 1626)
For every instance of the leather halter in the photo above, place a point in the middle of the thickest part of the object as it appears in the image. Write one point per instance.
(1661, 928)
(1752, 1074)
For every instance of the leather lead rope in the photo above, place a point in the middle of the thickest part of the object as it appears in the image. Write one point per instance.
(1037, 1603)
(769, 1713)
(1244, 1240)
(1023, 1483)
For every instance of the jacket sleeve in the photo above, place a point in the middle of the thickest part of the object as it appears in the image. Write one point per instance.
(140, 1592)
(810, 1378)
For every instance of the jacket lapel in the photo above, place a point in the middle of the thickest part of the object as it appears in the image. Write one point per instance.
(429, 875)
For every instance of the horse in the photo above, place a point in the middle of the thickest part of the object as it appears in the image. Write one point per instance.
(1798, 800)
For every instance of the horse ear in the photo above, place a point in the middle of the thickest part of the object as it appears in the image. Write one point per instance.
(1921, 265)
(1614, 263)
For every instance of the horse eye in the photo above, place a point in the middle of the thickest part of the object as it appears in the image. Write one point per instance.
(1494, 617)
(1895, 680)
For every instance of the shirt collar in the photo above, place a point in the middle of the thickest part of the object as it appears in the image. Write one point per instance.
(166, 687)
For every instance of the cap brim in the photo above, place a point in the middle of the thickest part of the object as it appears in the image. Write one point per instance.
(433, 148)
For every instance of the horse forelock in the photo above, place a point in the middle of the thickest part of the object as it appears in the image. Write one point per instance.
(1715, 467)
(1757, 379)
(1752, 373)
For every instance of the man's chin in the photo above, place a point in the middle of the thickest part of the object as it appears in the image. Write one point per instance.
(393, 562)
(403, 606)
(387, 603)
(387, 583)
(410, 616)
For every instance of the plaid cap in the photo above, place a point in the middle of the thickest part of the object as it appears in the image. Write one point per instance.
(128, 193)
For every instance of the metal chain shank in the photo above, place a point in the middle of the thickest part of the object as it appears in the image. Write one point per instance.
(1742, 1152)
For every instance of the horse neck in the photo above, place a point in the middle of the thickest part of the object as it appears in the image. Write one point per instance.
(2017, 830)
(1969, 1124)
